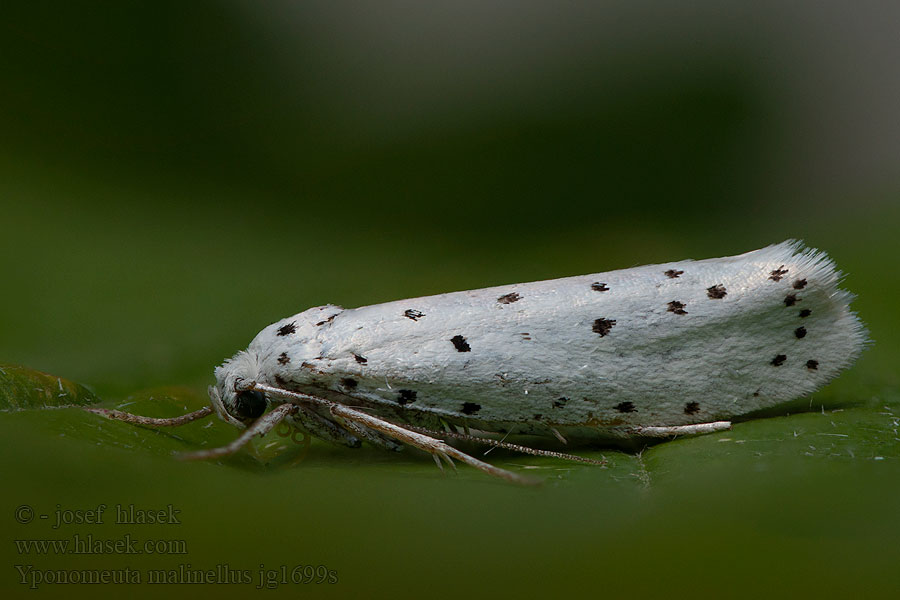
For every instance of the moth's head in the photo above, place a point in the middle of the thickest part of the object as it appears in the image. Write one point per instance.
(231, 398)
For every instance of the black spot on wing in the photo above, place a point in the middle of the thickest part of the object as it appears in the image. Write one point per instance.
(625, 407)
(812, 365)
(691, 408)
(603, 326)
(779, 360)
(805, 313)
(286, 329)
(561, 403)
(360, 359)
(791, 299)
(676, 307)
(283, 358)
(599, 287)
(778, 274)
(799, 284)
(404, 397)
(509, 298)
(348, 383)
(460, 343)
(800, 332)
(470, 408)
(415, 315)
(716, 292)
(328, 320)
(673, 274)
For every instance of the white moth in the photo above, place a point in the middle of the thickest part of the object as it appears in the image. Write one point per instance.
(653, 351)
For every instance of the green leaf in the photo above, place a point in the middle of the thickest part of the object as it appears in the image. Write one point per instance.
(25, 393)
(23, 388)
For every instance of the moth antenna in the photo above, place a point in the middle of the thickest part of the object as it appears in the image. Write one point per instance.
(151, 421)
(261, 426)
(508, 446)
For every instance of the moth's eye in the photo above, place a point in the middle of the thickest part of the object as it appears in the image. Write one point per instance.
(250, 404)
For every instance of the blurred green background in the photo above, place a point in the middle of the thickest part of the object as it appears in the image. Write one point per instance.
(176, 176)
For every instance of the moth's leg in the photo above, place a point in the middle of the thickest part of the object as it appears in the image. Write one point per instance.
(428, 444)
(696, 429)
(449, 426)
(506, 445)
(261, 426)
(324, 428)
(371, 436)
(558, 435)
(346, 433)
(151, 421)
(435, 447)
